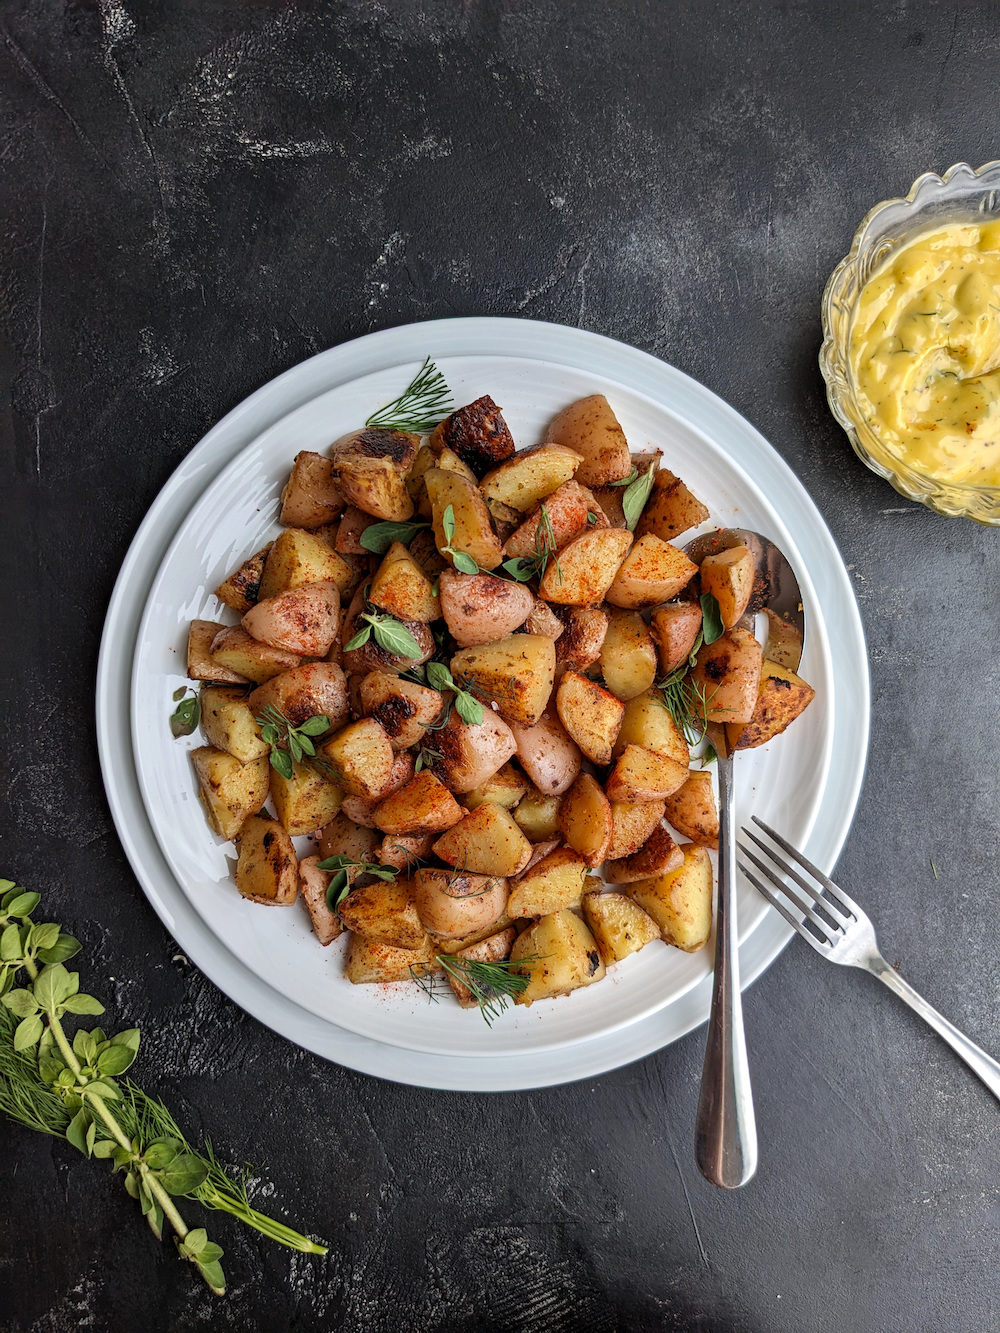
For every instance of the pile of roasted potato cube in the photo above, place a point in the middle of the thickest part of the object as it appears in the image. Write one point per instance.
(492, 833)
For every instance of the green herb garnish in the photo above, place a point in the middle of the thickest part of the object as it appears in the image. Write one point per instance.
(340, 885)
(70, 1088)
(289, 743)
(523, 568)
(389, 633)
(469, 709)
(636, 494)
(185, 718)
(380, 536)
(424, 403)
(686, 702)
(493, 985)
(711, 620)
(463, 562)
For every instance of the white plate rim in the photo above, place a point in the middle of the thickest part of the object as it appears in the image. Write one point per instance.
(476, 336)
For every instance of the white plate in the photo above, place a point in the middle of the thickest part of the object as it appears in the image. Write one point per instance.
(783, 782)
(645, 383)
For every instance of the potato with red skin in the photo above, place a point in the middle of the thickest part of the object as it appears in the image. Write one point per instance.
(582, 640)
(481, 608)
(675, 632)
(547, 754)
(370, 467)
(311, 496)
(477, 433)
(402, 708)
(452, 904)
(670, 510)
(315, 689)
(466, 754)
(728, 672)
(313, 884)
(569, 510)
(590, 427)
(371, 656)
(303, 620)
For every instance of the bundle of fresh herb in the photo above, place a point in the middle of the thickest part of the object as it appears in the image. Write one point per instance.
(72, 1090)
(424, 403)
(492, 985)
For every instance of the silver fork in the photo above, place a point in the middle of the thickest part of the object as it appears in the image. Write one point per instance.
(837, 928)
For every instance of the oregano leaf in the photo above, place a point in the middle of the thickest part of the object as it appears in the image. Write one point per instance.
(711, 622)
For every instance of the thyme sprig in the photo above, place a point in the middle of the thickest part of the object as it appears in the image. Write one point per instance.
(462, 561)
(422, 405)
(340, 883)
(289, 743)
(72, 1089)
(524, 568)
(493, 985)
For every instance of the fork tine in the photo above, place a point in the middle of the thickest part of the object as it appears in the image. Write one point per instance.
(806, 864)
(826, 927)
(836, 911)
(799, 927)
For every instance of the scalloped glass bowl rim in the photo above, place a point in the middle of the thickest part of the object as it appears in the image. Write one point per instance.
(930, 197)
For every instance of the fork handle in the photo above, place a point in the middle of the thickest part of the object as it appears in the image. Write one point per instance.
(725, 1128)
(974, 1056)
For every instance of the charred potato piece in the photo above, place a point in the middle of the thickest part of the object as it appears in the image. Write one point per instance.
(564, 957)
(691, 810)
(618, 924)
(402, 708)
(652, 572)
(537, 815)
(493, 949)
(201, 665)
(586, 567)
(547, 754)
(478, 434)
(371, 656)
(361, 758)
(370, 466)
(657, 856)
(640, 776)
(372, 962)
(453, 904)
(675, 631)
(584, 631)
(590, 714)
(670, 510)
(303, 620)
(567, 511)
(481, 608)
(517, 672)
(298, 558)
(242, 588)
(402, 588)
(485, 842)
(628, 658)
(230, 791)
(305, 801)
(529, 476)
(313, 884)
(631, 826)
(728, 576)
(228, 721)
(464, 756)
(311, 496)
(728, 672)
(680, 902)
(384, 910)
(473, 532)
(590, 428)
(316, 689)
(585, 819)
(267, 870)
(505, 787)
(424, 805)
(782, 696)
(554, 883)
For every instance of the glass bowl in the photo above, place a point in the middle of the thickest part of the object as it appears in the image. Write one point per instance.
(960, 195)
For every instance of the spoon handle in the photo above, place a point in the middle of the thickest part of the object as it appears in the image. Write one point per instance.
(725, 1128)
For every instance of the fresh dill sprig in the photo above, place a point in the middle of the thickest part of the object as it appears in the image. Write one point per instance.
(424, 403)
(686, 702)
(524, 568)
(492, 985)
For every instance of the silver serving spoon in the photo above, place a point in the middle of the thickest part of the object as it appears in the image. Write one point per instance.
(725, 1128)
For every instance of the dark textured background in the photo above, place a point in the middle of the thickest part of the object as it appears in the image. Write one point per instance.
(196, 195)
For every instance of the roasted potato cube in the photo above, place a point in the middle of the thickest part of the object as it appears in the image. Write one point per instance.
(631, 825)
(582, 640)
(200, 663)
(782, 696)
(670, 510)
(299, 558)
(619, 925)
(628, 658)
(640, 776)
(589, 427)
(658, 855)
(402, 708)
(230, 791)
(675, 631)
(303, 620)
(316, 689)
(728, 672)
(464, 756)
(372, 962)
(424, 551)
(537, 815)
(590, 714)
(313, 884)
(586, 567)
(548, 756)
(473, 531)
(563, 953)
(417, 491)
(647, 722)
(242, 588)
(478, 434)
(402, 588)
(371, 656)
(539, 851)
(652, 572)
(680, 902)
(485, 842)
(505, 787)
(450, 462)
(228, 722)
(311, 496)
(567, 511)
(585, 819)
(342, 837)
(691, 810)
(370, 466)
(517, 672)
(490, 950)
(481, 608)
(348, 539)
(728, 576)
(424, 805)
(248, 660)
(529, 476)
(453, 904)
(784, 642)
(384, 910)
(267, 870)
(361, 758)
(304, 802)
(554, 883)
(543, 620)
(406, 850)
(610, 498)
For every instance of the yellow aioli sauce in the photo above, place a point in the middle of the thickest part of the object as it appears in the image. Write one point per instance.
(925, 354)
